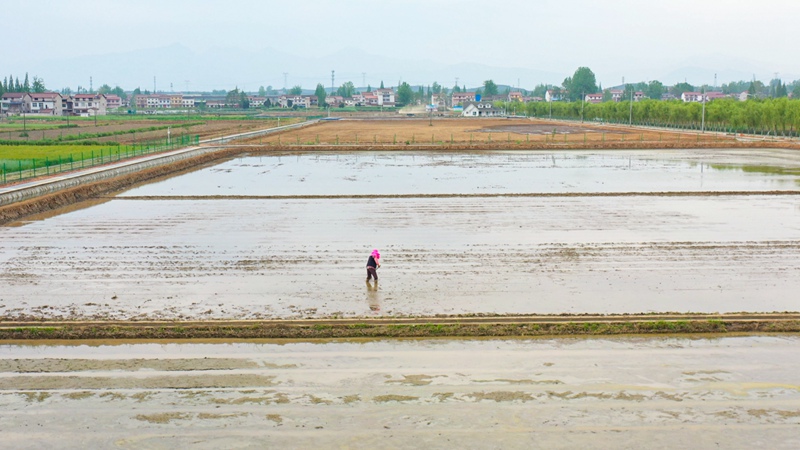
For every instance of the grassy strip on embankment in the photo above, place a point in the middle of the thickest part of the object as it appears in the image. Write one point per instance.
(52, 152)
(377, 329)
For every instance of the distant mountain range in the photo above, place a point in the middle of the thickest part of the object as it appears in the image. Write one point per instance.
(178, 68)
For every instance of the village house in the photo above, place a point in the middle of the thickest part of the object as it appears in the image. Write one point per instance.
(439, 100)
(461, 98)
(15, 103)
(715, 95)
(689, 97)
(300, 101)
(515, 96)
(89, 105)
(481, 109)
(554, 96)
(385, 97)
(594, 98)
(357, 100)
(336, 100)
(113, 101)
(370, 99)
(162, 101)
(618, 94)
(256, 102)
(46, 103)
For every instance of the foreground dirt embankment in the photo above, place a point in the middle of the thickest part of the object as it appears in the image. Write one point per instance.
(66, 197)
(499, 326)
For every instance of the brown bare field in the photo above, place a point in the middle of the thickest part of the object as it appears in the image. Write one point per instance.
(496, 131)
(206, 129)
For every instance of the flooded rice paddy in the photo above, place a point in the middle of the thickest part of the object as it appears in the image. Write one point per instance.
(731, 392)
(187, 248)
(489, 173)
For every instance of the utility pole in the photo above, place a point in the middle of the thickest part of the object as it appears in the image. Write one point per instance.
(630, 118)
(333, 84)
(90, 85)
(583, 100)
(703, 120)
(154, 84)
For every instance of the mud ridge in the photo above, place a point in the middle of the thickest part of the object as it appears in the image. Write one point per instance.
(411, 196)
(393, 329)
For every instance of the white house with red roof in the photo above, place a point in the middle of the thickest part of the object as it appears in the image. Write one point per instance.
(689, 97)
(370, 98)
(594, 98)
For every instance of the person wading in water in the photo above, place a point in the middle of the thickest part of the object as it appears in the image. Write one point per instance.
(373, 263)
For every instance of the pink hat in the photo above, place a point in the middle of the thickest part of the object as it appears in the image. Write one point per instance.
(375, 253)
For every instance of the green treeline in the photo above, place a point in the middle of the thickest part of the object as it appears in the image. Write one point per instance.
(779, 116)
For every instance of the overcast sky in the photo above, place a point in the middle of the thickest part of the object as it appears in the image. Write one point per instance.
(641, 38)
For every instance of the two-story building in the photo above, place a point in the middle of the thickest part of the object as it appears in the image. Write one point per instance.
(46, 103)
(593, 98)
(15, 103)
(298, 100)
(335, 100)
(689, 97)
(89, 104)
(515, 96)
(113, 101)
(554, 96)
(461, 98)
(255, 101)
(385, 97)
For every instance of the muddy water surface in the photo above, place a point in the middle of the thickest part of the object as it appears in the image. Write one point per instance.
(218, 257)
(490, 172)
(561, 393)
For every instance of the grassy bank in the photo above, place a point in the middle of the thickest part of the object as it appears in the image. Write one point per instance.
(390, 329)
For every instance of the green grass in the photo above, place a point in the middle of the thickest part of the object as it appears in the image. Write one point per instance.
(51, 152)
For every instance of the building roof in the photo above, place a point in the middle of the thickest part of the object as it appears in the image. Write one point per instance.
(87, 96)
(45, 94)
(15, 94)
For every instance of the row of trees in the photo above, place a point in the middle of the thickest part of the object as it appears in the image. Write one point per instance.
(774, 116)
(11, 84)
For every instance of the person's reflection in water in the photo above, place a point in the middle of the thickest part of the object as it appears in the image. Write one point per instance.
(372, 296)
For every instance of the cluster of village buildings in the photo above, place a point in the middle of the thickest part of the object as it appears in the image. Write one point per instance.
(470, 104)
(55, 104)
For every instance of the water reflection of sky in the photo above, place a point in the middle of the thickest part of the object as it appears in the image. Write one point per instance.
(490, 173)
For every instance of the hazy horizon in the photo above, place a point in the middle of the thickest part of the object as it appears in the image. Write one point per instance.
(204, 44)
